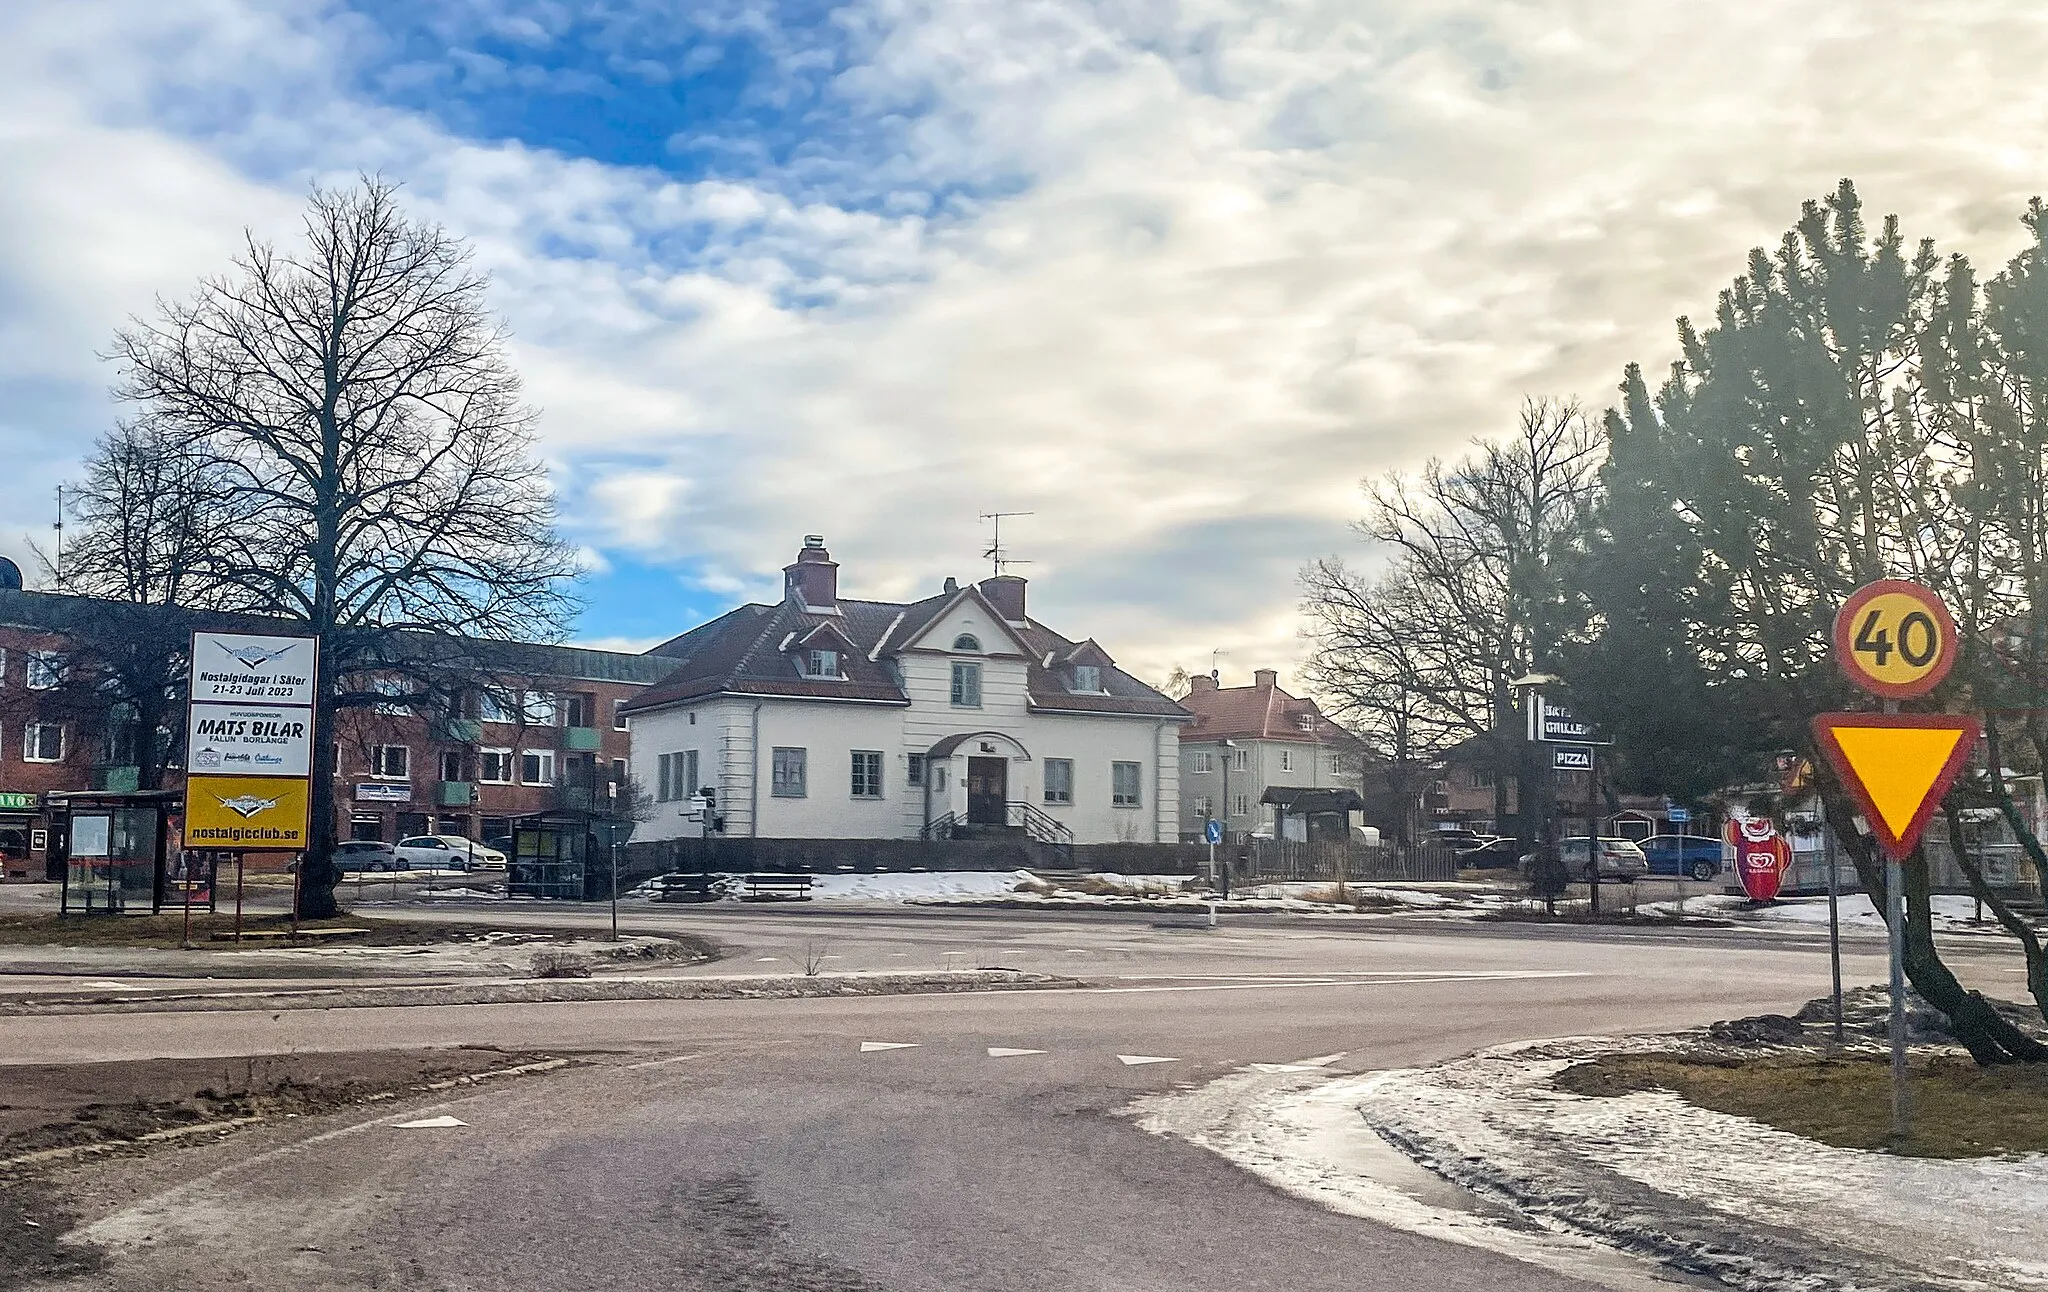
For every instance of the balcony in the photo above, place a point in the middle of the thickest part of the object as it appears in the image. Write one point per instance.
(458, 731)
(453, 794)
(117, 779)
(581, 740)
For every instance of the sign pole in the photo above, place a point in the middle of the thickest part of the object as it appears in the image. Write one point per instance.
(1895, 945)
(1834, 924)
(185, 879)
(240, 869)
(613, 836)
(1593, 825)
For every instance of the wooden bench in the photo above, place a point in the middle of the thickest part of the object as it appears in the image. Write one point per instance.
(767, 887)
(685, 888)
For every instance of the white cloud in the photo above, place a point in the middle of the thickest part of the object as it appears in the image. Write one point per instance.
(1245, 255)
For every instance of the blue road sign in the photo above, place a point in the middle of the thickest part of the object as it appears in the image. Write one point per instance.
(1214, 833)
(1678, 815)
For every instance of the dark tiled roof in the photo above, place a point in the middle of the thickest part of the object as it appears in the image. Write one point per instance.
(742, 652)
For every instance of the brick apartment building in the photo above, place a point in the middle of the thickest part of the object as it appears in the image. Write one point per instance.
(545, 734)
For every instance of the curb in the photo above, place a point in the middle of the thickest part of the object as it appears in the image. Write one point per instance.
(549, 991)
(46, 1156)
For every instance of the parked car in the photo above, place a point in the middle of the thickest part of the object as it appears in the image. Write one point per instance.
(1458, 840)
(449, 852)
(367, 854)
(1496, 854)
(1691, 855)
(1620, 859)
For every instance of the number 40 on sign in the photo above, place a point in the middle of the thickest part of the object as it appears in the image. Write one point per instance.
(1895, 639)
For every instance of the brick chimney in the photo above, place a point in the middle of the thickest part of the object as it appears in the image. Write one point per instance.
(814, 580)
(1201, 682)
(1006, 593)
(1265, 679)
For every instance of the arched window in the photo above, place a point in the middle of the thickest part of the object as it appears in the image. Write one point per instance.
(967, 641)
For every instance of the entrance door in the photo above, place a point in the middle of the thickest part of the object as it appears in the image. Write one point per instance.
(988, 791)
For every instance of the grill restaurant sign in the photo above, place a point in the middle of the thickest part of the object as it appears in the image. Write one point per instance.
(249, 740)
(238, 667)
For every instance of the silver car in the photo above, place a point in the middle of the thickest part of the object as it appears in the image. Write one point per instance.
(1620, 859)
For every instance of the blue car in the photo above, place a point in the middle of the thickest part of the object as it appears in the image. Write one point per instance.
(1694, 856)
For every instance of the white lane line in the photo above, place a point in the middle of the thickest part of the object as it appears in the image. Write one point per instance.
(869, 1047)
(1322, 1061)
(657, 1063)
(1285, 1067)
(766, 960)
(1133, 1060)
(431, 1123)
(1005, 1052)
(106, 985)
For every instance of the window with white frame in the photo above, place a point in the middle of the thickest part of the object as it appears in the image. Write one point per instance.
(1240, 805)
(492, 708)
(1306, 721)
(1123, 784)
(1240, 759)
(539, 708)
(967, 641)
(867, 774)
(1200, 761)
(45, 670)
(686, 774)
(675, 776)
(916, 774)
(1287, 760)
(3, 668)
(1199, 806)
(966, 686)
(494, 766)
(821, 663)
(1087, 677)
(43, 742)
(391, 762)
(1059, 780)
(537, 767)
(788, 773)
(451, 766)
(1334, 764)
(618, 718)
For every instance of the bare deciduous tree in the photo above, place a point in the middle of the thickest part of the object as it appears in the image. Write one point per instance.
(354, 398)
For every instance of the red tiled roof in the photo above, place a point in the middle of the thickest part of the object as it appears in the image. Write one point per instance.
(1255, 713)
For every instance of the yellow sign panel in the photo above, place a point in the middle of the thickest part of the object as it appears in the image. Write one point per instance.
(1897, 766)
(1895, 639)
(255, 812)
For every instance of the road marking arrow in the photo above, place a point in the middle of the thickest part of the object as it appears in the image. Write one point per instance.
(1897, 766)
(869, 1047)
(1133, 1060)
(1004, 1052)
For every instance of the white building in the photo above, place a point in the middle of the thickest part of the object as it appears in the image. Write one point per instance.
(825, 718)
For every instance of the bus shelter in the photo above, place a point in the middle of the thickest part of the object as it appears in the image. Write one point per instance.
(117, 850)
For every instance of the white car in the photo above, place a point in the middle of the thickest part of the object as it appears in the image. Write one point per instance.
(448, 852)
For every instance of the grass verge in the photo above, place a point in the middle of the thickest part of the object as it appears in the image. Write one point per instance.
(167, 931)
(1959, 1109)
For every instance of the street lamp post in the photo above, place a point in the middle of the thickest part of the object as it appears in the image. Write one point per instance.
(1226, 746)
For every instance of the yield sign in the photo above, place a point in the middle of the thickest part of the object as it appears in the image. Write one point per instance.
(1897, 765)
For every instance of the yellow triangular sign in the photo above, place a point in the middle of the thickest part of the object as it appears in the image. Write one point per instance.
(1897, 765)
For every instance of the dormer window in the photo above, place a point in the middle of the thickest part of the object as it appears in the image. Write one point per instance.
(1306, 721)
(1087, 677)
(822, 663)
(967, 642)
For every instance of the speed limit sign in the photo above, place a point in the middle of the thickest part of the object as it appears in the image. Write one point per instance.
(1895, 639)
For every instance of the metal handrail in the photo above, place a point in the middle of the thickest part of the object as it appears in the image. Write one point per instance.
(941, 828)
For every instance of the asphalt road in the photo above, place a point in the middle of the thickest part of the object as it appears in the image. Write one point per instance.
(769, 1146)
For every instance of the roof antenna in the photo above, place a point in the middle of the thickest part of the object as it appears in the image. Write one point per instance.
(1216, 674)
(994, 553)
(59, 527)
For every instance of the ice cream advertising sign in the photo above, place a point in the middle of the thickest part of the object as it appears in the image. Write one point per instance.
(1761, 855)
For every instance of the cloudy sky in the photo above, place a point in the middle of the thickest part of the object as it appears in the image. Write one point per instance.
(1172, 274)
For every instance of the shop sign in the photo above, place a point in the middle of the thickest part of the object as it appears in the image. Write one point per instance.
(14, 801)
(384, 793)
(245, 812)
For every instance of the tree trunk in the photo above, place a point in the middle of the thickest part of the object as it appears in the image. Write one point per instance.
(1978, 1027)
(318, 875)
